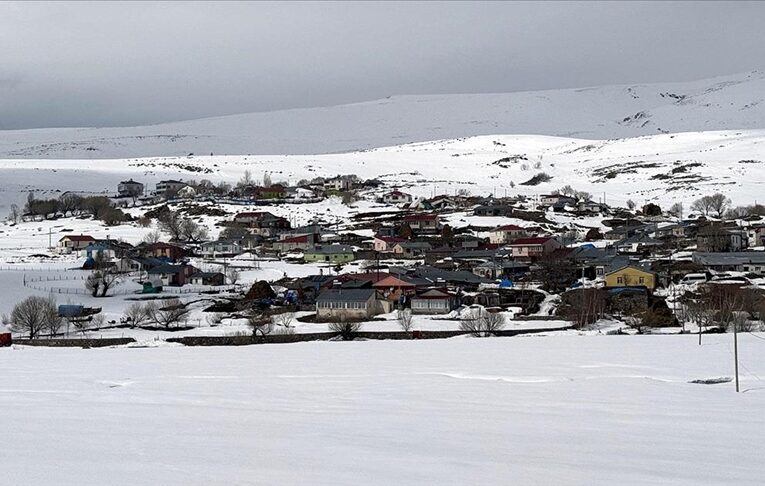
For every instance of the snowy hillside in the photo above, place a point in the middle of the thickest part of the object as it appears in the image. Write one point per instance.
(724, 103)
(663, 168)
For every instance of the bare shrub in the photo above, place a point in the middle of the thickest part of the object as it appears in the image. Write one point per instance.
(482, 323)
(214, 318)
(284, 319)
(347, 329)
(404, 318)
(260, 325)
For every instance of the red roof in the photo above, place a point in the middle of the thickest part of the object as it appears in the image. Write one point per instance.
(78, 238)
(390, 239)
(391, 281)
(509, 227)
(531, 241)
(363, 277)
(295, 239)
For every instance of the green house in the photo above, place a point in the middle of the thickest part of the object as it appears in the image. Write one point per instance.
(329, 254)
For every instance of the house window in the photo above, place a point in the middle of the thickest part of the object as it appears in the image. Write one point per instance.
(641, 280)
(620, 280)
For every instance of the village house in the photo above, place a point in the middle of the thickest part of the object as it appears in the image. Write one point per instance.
(498, 270)
(163, 251)
(395, 288)
(533, 248)
(494, 209)
(433, 301)
(506, 234)
(168, 187)
(171, 274)
(349, 305)
(396, 197)
(297, 242)
(638, 243)
(334, 254)
(557, 200)
(105, 251)
(385, 244)
(756, 235)
(743, 261)
(221, 248)
(717, 238)
(631, 276)
(422, 222)
(625, 231)
(442, 202)
(410, 249)
(73, 243)
(275, 191)
(341, 183)
(263, 222)
(130, 188)
(207, 278)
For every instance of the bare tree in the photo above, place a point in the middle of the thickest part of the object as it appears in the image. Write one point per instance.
(267, 180)
(718, 203)
(191, 231)
(34, 315)
(14, 214)
(233, 275)
(137, 315)
(631, 204)
(169, 313)
(102, 280)
(482, 323)
(246, 179)
(171, 222)
(676, 210)
(715, 204)
(404, 318)
(152, 237)
(69, 203)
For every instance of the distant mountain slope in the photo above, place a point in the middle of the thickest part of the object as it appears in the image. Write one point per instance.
(730, 102)
(664, 168)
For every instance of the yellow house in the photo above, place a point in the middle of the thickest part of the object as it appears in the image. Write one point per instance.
(630, 276)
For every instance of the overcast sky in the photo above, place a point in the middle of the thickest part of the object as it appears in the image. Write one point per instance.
(104, 64)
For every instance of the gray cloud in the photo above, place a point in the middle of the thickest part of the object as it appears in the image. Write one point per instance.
(99, 64)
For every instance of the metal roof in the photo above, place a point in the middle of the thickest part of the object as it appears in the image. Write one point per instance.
(346, 295)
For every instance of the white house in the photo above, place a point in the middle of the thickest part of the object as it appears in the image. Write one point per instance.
(506, 234)
(396, 197)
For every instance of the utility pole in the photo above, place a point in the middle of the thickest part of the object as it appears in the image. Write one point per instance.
(735, 350)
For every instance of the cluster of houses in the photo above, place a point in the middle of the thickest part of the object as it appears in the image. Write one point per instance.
(161, 264)
(304, 191)
(417, 260)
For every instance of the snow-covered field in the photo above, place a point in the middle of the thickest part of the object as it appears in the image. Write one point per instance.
(723, 103)
(574, 410)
